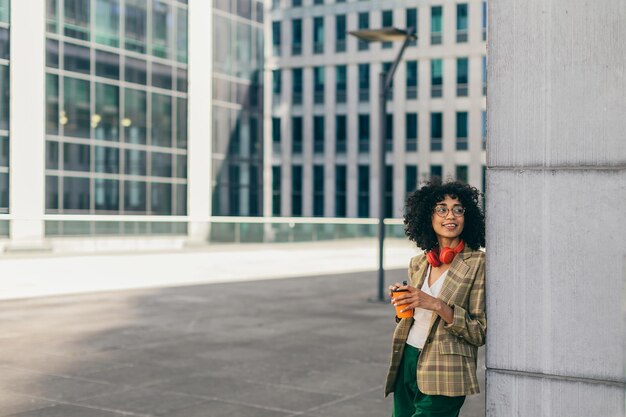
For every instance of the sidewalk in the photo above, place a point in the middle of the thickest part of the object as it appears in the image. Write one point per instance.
(308, 346)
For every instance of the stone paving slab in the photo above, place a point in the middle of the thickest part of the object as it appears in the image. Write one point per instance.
(308, 346)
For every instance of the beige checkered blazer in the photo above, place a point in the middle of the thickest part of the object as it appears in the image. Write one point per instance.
(447, 364)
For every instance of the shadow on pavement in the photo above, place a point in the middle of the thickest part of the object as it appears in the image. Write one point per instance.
(291, 347)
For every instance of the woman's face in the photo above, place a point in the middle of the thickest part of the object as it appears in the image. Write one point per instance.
(450, 225)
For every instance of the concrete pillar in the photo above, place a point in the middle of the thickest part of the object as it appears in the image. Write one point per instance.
(556, 188)
(200, 118)
(27, 155)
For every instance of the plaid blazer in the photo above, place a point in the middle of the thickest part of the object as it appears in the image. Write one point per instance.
(447, 363)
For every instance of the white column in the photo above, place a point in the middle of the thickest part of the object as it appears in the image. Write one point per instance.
(27, 130)
(200, 118)
(557, 186)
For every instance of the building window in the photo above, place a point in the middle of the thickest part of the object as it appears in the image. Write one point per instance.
(318, 85)
(296, 3)
(436, 78)
(275, 4)
(462, 77)
(461, 131)
(318, 190)
(276, 180)
(436, 131)
(296, 33)
(276, 85)
(411, 22)
(461, 22)
(461, 173)
(318, 134)
(296, 135)
(364, 82)
(484, 26)
(411, 132)
(341, 83)
(411, 80)
(436, 25)
(364, 23)
(410, 176)
(276, 33)
(296, 190)
(341, 136)
(340, 33)
(363, 209)
(484, 76)
(114, 108)
(364, 133)
(340, 191)
(318, 35)
(387, 20)
(296, 95)
(318, 2)
(389, 132)
(436, 171)
(484, 129)
(276, 135)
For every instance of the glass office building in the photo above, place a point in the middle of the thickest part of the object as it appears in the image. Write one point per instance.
(5, 33)
(237, 107)
(116, 107)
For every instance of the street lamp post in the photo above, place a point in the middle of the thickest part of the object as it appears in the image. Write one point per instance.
(385, 79)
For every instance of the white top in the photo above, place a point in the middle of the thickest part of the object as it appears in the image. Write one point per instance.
(419, 330)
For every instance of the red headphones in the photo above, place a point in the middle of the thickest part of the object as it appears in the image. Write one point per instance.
(435, 258)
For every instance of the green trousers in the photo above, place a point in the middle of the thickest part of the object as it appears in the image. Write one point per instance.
(409, 401)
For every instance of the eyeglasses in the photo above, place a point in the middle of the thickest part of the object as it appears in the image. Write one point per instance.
(442, 211)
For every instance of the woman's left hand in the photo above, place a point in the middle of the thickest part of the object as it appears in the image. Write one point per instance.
(415, 298)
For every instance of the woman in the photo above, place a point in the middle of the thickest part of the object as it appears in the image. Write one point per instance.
(433, 362)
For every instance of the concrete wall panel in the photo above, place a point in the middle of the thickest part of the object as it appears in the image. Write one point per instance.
(555, 268)
(556, 82)
(523, 395)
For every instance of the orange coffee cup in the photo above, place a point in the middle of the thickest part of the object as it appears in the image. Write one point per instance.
(406, 314)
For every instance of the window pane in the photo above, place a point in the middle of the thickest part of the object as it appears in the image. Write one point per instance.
(181, 123)
(77, 19)
(161, 164)
(134, 121)
(4, 97)
(107, 159)
(135, 25)
(181, 200)
(75, 116)
(162, 76)
(161, 198)
(76, 58)
(135, 71)
(161, 120)
(4, 151)
(106, 119)
(52, 193)
(76, 194)
(181, 37)
(107, 195)
(52, 103)
(135, 196)
(181, 166)
(162, 30)
(107, 22)
(107, 65)
(4, 191)
(135, 162)
(76, 157)
(52, 53)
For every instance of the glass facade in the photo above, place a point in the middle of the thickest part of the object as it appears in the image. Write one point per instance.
(5, 33)
(116, 107)
(238, 107)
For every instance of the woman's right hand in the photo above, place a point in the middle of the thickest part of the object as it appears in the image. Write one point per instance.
(393, 288)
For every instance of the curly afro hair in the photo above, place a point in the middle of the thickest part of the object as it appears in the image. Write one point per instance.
(419, 211)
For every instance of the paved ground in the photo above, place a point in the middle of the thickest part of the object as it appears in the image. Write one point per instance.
(308, 346)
